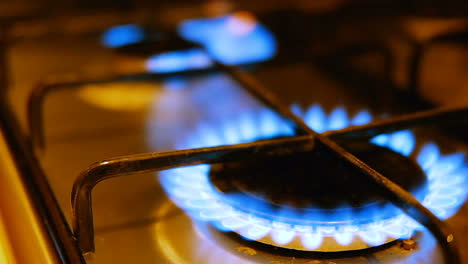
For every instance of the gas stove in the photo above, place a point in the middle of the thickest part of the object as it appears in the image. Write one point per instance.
(235, 133)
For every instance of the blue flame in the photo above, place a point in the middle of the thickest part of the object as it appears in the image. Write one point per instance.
(361, 118)
(191, 189)
(402, 142)
(122, 35)
(315, 117)
(230, 39)
(176, 61)
(338, 119)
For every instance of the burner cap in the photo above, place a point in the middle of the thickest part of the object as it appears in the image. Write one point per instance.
(306, 182)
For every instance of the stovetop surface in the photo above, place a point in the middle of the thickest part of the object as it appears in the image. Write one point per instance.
(134, 220)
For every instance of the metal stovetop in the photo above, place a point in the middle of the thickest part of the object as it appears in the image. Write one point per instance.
(134, 220)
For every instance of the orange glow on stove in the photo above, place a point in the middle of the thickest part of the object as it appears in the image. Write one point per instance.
(5, 250)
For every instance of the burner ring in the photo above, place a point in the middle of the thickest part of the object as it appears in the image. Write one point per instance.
(190, 187)
(316, 188)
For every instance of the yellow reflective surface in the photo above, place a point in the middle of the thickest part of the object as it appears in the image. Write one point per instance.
(21, 238)
(123, 96)
(6, 255)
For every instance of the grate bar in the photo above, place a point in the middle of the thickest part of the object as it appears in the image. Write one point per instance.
(151, 162)
(430, 117)
(393, 192)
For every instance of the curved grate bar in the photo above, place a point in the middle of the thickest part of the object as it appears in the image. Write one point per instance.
(36, 100)
(152, 162)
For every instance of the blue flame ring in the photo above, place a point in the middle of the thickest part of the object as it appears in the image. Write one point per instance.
(190, 188)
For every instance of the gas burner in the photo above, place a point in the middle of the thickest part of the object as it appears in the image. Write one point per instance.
(233, 39)
(317, 222)
(313, 184)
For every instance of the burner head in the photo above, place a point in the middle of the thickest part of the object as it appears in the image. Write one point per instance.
(306, 182)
